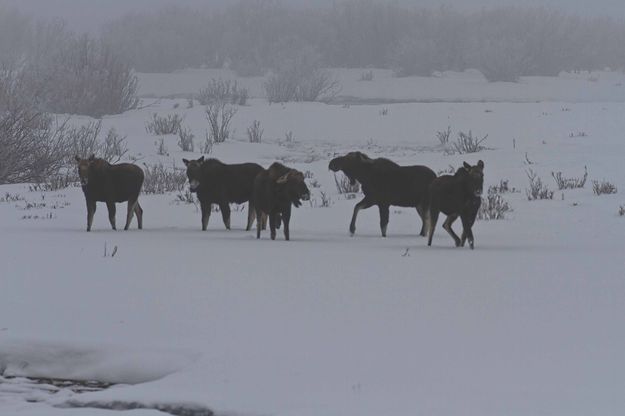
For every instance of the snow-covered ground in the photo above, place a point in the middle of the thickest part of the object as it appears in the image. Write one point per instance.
(469, 86)
(528, 323)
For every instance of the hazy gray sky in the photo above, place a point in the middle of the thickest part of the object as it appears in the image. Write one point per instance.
(89, 14)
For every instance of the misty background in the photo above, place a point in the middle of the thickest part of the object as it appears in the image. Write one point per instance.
(81, 57)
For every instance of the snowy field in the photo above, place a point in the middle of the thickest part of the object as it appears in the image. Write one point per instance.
(192, 322)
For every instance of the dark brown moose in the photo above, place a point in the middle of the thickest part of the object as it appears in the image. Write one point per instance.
(220, 183)
(385, 183)
(275, 190)
(456, 196)
(103, 182)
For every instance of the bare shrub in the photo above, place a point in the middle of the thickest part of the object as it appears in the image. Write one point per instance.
(603, 187)
(537, 189)
(503, 187)
(84, 141)
(162, 125)
(289, 137)
(344, 185)
(621, 210)
(185, 139)
(570, 183)
(161, 148)
(78, 74)
(324, 201)
(254, 132)
(33, 146)
(366, 76)
(185, 197)
(443, 136)
(494, 206)
(219, 117)
(466, 143)
(384, 111)
(222, 91)
(300, 78)
(207, 146)
(159, 179)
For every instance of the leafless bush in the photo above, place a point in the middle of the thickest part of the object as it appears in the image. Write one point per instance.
(289, 137)
(162, 125)
(254, 132)
(77, 74)
(344, 185)
(569, 183)
(537, 189)
(384, 111)
(33, 146)
(366, 76)
(494, 206)
(9, 197)
(159, 179)
(503, 187)
(621, 210)
(219, 117)
(450, 170)
(324, 201)
(56, 182)
(603, 187)
(219, 91)
(301, 78)
(161, 148)
(185, 139)
(185, 197)
(207, 146)
(443, 136)
(466, 143)
(84, 141)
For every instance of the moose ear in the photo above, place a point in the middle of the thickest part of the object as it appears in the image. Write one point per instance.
(466, 165)
(186, 162)
(282, 179)
(77, 158)
(91, 158)
(480, 164)
(201, 159)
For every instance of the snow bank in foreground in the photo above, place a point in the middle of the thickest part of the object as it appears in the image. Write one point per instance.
(73, 362)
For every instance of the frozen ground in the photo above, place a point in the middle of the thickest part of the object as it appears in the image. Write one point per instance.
(529, 323)
(469, 86)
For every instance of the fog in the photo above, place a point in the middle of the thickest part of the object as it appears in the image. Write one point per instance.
(87, 15)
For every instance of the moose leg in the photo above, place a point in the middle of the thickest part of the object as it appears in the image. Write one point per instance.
(364, 204)
(272, 224)
(251, 216)
(423, 212)
(139, 214)
(432, 223)
(286, 218)
(225, 213)
(130, 213)
(447, 226)
(383, 218)
(467, 230)
(111, 208)
(261, 222)
(206, 214)
(90, 212)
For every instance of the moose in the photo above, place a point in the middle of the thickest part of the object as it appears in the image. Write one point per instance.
(219, 183)
(275, 190)
(103, 182)
(385, 183)
(457, 196)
